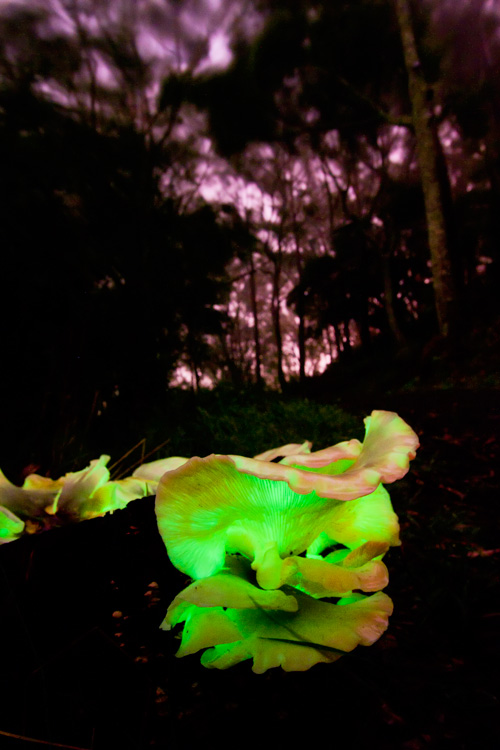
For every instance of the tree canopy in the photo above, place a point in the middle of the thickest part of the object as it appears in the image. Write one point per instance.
(198, 193)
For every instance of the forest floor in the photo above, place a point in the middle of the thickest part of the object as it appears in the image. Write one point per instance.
(84, 663)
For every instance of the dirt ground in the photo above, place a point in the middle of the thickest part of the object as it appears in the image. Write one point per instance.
(84, 663)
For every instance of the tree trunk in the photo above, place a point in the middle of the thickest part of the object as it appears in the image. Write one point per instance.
(276, 315)
(300, 310)
(302, 339)
(429, 151)
(389, 303)
(346, 338)
(256, 333)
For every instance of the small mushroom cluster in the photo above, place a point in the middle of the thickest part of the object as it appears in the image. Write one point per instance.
(42, 503)
(285, 557)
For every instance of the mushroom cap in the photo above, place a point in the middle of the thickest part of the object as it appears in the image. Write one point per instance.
(236, 621)
(76, 495)
(10, 525)
(154, 470)
(267, 511)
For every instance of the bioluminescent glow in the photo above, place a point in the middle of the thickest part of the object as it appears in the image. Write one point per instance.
(76, 496)
(256, 537)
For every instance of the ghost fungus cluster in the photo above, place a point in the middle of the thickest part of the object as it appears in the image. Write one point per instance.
(285, 557)
(43, 502)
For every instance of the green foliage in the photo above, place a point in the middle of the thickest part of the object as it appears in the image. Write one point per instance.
(225, 420)
(230, 421)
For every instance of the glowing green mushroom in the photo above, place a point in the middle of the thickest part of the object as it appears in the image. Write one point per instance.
(10, 526)
(268, 512)
(236, 621)
(36, 494)
(214, 510)
(318, 632)
(75, 496)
